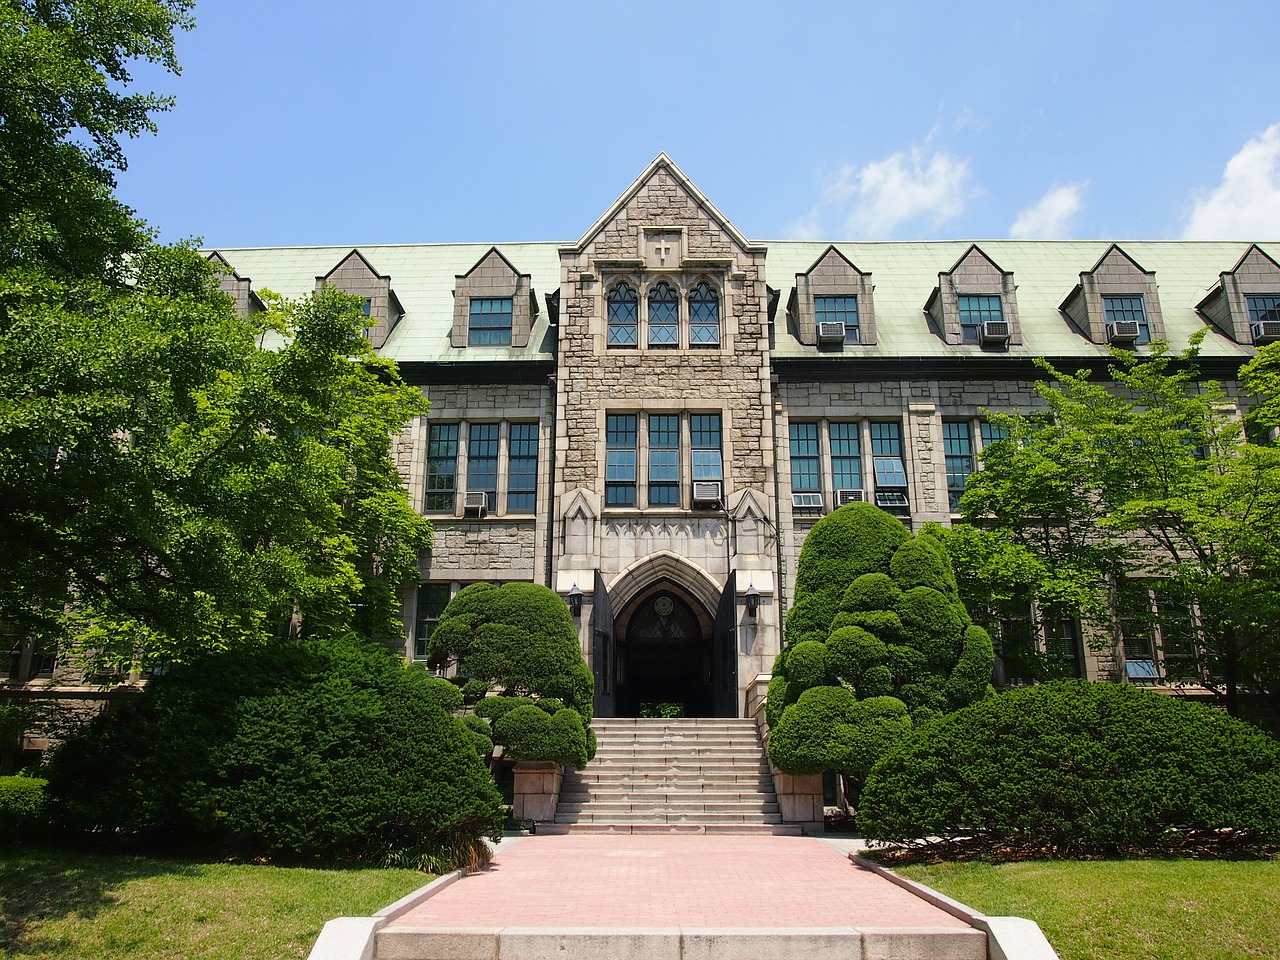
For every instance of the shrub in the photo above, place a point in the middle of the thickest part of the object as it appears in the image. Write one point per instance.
(21, 807)
(494, 708)
(856, 539)
(776, 700)
(318, 751)
(473, 691)
(481, 735)
(871, 591)
(1079, 768)
(884, 624)
(923, 562)
(810, 617)
(933, 624)
(807, 664)
(972, 676)
(527, 733)
(828, 728)
(850, 651)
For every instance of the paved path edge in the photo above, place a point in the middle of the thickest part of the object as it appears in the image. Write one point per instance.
(353, 938)
(1008, 938)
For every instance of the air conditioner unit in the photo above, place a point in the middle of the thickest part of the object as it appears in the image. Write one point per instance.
(891, 498)
(996, 331)
(806, 501)
(850, 496)
(1122, 331)
(831, 331)
(475, 502)
(706, 491)
(1266, 331)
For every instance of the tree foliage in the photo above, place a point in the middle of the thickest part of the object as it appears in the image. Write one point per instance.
(1145, 476)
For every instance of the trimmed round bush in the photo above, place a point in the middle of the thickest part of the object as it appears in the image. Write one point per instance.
(875, 682)
(21, 807)
(807, 664)
(494, 708)
(324, 751)
(884, 624)
(850, 651)
(776, 700)
(932, 624)
(828, 728)
(473, 691)
(907, 664)
(1079, 768)
(871, 591)
(858, 538)
(971, 678)
(528, 733)
(481, 734)
(923, 562)
(810, 617)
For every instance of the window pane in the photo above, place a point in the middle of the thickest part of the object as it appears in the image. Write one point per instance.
(1062, 648)
(886, 455)
(442, 466)
(664, 316)
(623, 309)
(1128, 308)
(432, 599)
(620, 461)
(974, 312)
(1264, 308)
(958, 451)
(804, 458)
(664, 460)
(704, 316)
(992, 434)
(1133, 611)
(704, 429)
(839, 309)
(846, 456)
(522, 468)
(490, 322)
(482, 461)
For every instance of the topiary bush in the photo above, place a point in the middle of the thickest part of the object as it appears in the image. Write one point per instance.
(1079, 769)
(22, 810)
(829, 728)
(529, 733)
(317, 751)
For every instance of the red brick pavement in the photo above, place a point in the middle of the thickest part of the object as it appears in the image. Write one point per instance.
(618, 881)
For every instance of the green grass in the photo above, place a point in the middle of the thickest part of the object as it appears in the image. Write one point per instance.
(1128, 909)
(57, 904)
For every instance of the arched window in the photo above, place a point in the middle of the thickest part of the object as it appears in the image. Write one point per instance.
(664, 316)
(704, 316)
(623, 309)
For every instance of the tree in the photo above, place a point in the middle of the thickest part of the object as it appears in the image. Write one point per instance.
(169, 486)
(1149, 478)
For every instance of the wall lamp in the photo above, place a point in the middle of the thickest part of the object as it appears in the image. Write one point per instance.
(752, 598)
(575, 601)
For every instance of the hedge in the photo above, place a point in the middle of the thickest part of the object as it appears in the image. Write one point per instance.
(1079, 768)
(529, 733)
(317, 751)
(21, 807)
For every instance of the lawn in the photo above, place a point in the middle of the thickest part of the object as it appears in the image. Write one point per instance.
(56, 904)
(1128, 909)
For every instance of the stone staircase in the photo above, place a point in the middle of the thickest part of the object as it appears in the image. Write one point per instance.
(671, 776)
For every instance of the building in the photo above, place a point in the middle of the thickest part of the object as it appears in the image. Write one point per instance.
(653, 415)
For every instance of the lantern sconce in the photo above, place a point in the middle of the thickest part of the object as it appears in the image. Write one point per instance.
(575, 601)
(752, 598)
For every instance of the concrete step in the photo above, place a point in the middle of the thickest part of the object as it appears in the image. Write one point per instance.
(665, 817)
(659, 793)
(736, 829)
(754, 805)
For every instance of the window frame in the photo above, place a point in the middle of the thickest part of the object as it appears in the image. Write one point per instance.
(838, 307)
(522, 466)
(664, 302)
(974, 310)
(956, 450)
(485, 333)
(1113, 311)
(1263, 313)
(439, 490)
(617, 308)
(703, 296)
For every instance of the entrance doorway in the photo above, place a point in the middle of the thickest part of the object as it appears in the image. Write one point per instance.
(664, 654)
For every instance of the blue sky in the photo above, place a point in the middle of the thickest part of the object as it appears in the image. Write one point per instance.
(398, 122)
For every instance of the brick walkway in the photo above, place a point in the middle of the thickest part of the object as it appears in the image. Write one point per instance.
(743, 882)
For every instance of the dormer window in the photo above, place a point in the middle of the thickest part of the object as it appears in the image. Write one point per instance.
(837, 314)
(490, 324)
(1116, 302)
(975, 313)
(1264, 309)
(1126, 319)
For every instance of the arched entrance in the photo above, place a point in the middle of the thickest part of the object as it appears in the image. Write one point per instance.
(664, 652)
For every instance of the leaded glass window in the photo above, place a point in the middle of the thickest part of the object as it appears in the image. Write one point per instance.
(704, 430)
(957, 442)
(442, 466)
(623, 316)
(839, 310)
(620, 460)
(664, 316)
(490, 324)
(522, 468)
(664, 460)
(482, 461)
(846, 456)
(974, 312)
(704, 316)
(1120, 309)
(805, 475)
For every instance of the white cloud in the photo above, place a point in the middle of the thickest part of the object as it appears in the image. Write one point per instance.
(1246, 204)
(1049, 218)
(904, 187)
(808, 227)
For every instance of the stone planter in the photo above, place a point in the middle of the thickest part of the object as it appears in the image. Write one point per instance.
(537, 790)
(800, 800)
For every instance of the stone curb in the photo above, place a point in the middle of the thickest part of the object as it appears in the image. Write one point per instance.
(1008, 938)
(353, 938)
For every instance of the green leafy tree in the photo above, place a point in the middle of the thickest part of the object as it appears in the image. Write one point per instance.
(1146, 476)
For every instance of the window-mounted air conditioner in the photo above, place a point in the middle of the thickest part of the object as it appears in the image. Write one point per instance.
(850, 496)
(995, 331)
(474, 503)
(831, 331)
(706, 491)
(891, 498)
(806, 501)
(1266, 331)
(1122, 331)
